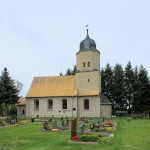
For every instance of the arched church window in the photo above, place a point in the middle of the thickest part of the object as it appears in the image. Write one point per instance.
(50, 104)
(64, 104)
(86, 104)
(88, 64)
(84, 64)
(36, 104)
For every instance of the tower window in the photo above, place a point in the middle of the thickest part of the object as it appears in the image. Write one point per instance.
(88, 64)
(23, 112)
(88, 80)
(50, 104)
(86, 104)
(64, 104)
(36, 104)
(84, 64)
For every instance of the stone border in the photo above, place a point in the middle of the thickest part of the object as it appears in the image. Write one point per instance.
(79, 142)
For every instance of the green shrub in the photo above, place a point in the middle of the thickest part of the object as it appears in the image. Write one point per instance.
(134, 117)
(129, 118)
(13, 110)
(104, 140)
(96, 130)
(141, 116)
(88, 138)
(98, 134)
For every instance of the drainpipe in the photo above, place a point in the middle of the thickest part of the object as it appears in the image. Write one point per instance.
(72, 107)
(77, 104)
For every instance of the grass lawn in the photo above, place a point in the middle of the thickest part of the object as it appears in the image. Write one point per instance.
(133, 135)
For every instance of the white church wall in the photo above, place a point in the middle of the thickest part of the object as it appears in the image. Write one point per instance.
(94, 107)
(57, 110)
(21, 111)
(106, 111)
(88, 81)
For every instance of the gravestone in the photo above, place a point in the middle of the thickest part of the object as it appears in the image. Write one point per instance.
(91, 126)
(55, 124)
(63, 125)
(81, 122)
(67, 122)
(45, 126)
(12, 121)
(32, 119)
(73, 128)
(50, 120)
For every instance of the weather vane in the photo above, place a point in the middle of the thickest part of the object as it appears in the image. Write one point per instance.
(87, 28)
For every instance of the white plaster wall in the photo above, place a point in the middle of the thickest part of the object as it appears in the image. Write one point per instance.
(88, 56)
(19, 111)
(94, 83)
(57, 110)
(106, 111)
(94, 107)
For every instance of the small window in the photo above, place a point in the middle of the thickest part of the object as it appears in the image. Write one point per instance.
(86, 104)
(50, 104)
(64, 104)
(88, 64)
(88, 80)
(84, 64)
(73, 109)
(23, 112)
(36, 104)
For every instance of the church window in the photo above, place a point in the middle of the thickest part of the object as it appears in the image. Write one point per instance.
(64, 104)
(36, 104)
(50, 104)
(88, 80)
(84, 64)
(88, 64)
(86, 104)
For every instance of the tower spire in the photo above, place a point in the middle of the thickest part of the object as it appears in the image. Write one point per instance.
(87, 29)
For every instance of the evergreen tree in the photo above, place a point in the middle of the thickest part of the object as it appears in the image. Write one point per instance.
(61, 74)
(68, 72)
(144, 89)
(103, 88)
(136, 92)
(129, 81)
(106, 82)
(118, 88)
(73, 71)
(8, 90)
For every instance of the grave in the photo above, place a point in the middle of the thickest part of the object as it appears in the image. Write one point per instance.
(45, 126)
(55, 126)
(73, 128)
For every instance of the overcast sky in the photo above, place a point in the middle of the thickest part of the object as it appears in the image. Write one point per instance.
(41, 37)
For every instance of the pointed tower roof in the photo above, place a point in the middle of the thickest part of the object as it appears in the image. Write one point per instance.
(88, 43)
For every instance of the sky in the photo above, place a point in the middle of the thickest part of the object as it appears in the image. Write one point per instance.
(42, 37)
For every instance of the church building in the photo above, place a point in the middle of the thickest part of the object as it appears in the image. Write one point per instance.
(78, 95)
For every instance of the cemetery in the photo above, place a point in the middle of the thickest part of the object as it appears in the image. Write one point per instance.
(73, 132)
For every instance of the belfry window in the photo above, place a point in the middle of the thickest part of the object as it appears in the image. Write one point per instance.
(64, 104)
(88, 64)
(36, 104)
(84, 64)
(23, 112)
(50, 104)
(86, 104)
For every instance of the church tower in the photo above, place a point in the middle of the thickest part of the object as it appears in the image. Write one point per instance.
(88, 77)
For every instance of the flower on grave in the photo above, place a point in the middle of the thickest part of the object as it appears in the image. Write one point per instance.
(74, 138)
(108, 122)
